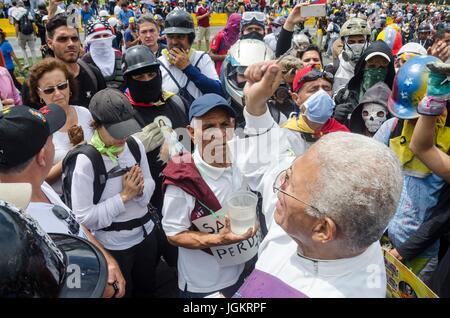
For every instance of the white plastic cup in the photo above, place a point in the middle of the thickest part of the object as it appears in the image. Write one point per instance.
(241, 209)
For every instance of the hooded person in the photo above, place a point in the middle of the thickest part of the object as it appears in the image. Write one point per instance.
(372, 112)
(223, 40)
(375, 65)
(101, 53)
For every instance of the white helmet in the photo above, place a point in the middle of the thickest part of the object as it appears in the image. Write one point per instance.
(300, 41)
(103, 13)
(241, 55)
(112, 22)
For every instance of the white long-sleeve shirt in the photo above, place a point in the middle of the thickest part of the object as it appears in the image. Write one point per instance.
(111, 208)
(260, 159)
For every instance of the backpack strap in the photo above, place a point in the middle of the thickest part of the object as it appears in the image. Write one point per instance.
(171, 75)
(396, 129)
(100, 174)
(90, 73)
(134, 149)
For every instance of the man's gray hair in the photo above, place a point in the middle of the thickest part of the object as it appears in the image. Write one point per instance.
(358, 186)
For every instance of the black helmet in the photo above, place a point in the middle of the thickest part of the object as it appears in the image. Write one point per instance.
(35, 264)
(138, 59)
(178, 22)
(424, 27)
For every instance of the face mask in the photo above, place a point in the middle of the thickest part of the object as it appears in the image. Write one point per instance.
(352, 52)
(372, 76)
(102, 54)
(374, 116)
(145, 91)
(319, 107)
(276, 31)
(253, 35)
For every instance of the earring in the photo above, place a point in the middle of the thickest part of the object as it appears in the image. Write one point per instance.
(42, 101)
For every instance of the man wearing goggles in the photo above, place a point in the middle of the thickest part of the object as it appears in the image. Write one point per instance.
(253, 25)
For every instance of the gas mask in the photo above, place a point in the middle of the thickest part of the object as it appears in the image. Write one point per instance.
(374, 116)
(352, 52)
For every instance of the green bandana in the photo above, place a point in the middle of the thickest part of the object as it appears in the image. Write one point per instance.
(372, 76)
(110, 151)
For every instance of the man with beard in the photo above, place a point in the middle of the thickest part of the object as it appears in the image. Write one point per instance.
(102, 54)
(158, 111)
(64, 41)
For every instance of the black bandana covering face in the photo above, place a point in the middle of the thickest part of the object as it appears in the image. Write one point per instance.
(145, 91)
(253, 35)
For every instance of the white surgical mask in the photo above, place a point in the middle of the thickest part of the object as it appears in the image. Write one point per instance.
(374, 116)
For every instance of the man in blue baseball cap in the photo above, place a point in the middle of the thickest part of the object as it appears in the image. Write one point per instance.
(211, 257)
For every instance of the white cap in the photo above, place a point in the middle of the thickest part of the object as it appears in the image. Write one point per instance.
(368, 57)
(17, 194)
(103, 13)
(112, 22)
(414, 48)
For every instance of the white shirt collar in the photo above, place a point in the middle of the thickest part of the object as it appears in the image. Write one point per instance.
(342, 266)
(212, 172)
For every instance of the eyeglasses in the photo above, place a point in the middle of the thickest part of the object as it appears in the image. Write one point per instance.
(69, 219)
(314, 75)
(280, 181)
(254, 15)
(51, 89)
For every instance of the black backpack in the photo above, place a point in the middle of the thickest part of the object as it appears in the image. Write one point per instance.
(25, 24)
(100, 173)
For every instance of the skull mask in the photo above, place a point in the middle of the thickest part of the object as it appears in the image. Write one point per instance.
(374, 116)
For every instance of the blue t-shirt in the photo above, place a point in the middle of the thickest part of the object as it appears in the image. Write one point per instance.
(128, 36)
(6, 51)
(124, 16)
(86, 15)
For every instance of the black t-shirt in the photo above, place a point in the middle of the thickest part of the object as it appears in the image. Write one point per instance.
(168, 112)
(86, 89)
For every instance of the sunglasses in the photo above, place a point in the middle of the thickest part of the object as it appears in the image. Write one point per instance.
(314, 75)
(51, 89)
(69, 219)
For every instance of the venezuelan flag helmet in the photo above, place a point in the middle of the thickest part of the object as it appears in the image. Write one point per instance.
(392, 38)
(410, 86)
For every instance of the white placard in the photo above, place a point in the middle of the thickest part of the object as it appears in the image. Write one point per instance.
(313, 10)
(232, 254)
